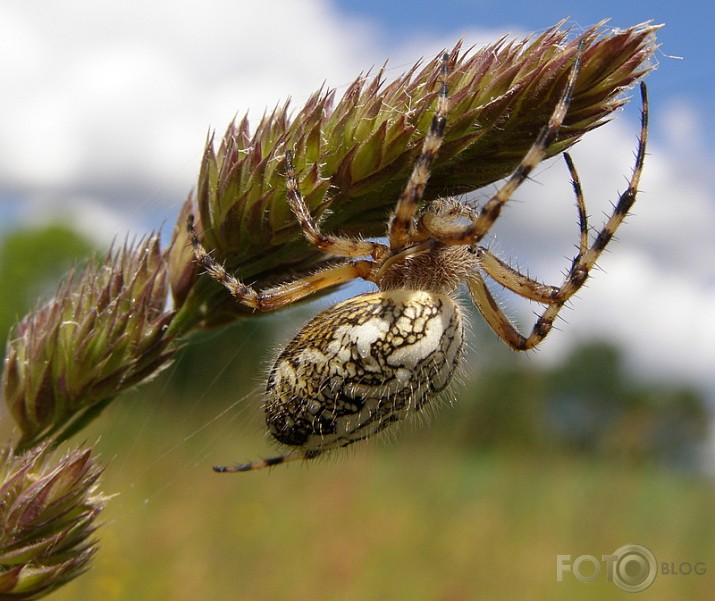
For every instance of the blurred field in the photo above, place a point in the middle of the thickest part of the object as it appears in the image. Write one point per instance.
(418, 520)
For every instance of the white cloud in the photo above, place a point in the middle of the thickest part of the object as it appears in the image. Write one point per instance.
(96, 93)
(664, 319)
(89, 216)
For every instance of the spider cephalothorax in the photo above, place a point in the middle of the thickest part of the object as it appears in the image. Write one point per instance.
(432, 265)
(372, 360)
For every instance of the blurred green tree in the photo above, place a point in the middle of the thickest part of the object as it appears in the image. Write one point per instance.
(589, 403)
(32, 261)
(596, 405)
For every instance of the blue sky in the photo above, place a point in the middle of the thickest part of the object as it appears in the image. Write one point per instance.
(688, 34)
(106, 105)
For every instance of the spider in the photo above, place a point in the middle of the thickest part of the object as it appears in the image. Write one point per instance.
(372, 360)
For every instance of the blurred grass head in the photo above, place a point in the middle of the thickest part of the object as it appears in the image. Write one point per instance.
(48, 513)
(104, 331)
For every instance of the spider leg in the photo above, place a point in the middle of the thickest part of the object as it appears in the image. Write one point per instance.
(281, 295)
(553, 297)
(584, 261)
(580, 205)
(344, 247)
(502, 325)
(521, 284)
(514, 280)
(265, 463)
(491, 210)
(491, 312)
(401, 224)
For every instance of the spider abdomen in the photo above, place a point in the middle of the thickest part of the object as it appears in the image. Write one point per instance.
(362, 365)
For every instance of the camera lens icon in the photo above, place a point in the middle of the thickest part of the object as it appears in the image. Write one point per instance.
(634, 568)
